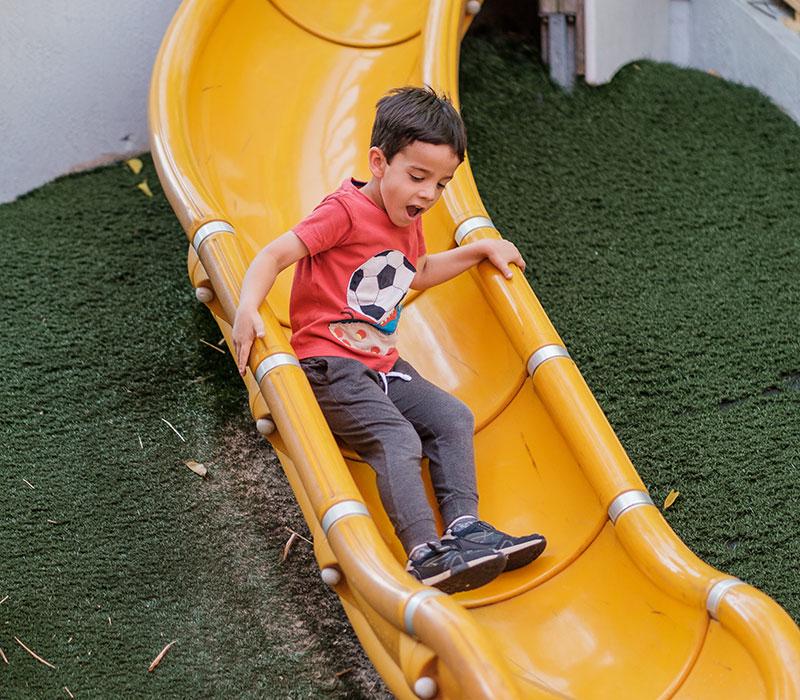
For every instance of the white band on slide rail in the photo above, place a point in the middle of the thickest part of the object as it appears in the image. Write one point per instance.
(274, 361)
(625, 501)
(412, 605)
(469, 225)
(341, 510)
(715, 595)
(210, 229)
(547, 352)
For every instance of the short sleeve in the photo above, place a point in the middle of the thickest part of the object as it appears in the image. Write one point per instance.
(420, 239)
(325, 227)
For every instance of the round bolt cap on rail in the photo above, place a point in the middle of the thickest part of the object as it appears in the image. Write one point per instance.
(331, 576)
(425, 688)
(265, 426)
(204, 294)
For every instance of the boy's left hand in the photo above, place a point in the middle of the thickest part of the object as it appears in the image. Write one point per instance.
(501, 253)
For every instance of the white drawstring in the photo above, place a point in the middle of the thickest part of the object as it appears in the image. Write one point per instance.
(399, 375)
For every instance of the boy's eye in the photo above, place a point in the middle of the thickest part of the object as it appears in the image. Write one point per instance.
(440, 185)
(416, 179)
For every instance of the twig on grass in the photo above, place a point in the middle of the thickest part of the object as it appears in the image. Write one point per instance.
(290, 542)
(2, 653)
(29, 484)
(213, 347)
(288, 546)
(160, 656)
(68, 693)
(4, 600)
(299, 535)
(33, 653)
(339, 674)
(173, 427)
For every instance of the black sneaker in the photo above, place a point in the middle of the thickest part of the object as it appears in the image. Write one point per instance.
(456, 566)
(477, 533)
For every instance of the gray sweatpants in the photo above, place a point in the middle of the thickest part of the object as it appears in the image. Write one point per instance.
(391, 423)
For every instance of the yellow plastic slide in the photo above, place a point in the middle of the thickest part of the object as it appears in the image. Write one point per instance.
(258, 109)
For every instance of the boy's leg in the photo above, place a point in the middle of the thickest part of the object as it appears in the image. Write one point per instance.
(358, 411)
(446, 428)
(360, 414)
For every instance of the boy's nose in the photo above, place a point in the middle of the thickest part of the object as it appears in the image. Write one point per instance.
(427, 193)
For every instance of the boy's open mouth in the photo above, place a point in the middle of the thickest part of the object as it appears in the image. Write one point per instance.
(413, 211)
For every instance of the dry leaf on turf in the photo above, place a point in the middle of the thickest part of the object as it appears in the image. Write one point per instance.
(670, 499)
(135, 165)
(144, 187)
(196, 467)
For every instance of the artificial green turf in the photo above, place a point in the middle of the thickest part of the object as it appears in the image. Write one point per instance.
(658, 216)
(101, 341)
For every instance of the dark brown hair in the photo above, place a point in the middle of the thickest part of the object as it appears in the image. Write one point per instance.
(409, 114)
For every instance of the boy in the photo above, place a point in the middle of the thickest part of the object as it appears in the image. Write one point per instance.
(358, 253)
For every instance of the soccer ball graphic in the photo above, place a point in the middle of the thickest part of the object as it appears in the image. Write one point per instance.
(380, 284)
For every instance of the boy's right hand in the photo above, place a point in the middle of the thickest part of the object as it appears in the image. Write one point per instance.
(247, 326)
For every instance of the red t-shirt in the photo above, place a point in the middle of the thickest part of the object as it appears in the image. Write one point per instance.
(346, 295)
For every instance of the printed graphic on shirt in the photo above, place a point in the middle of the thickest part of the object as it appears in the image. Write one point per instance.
(375, 291)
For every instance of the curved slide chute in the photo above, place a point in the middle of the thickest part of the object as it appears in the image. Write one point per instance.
(258, 109)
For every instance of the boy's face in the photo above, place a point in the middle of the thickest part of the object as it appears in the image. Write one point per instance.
(415, 179)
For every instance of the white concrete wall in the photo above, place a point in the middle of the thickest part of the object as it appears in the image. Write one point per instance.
(75, 77)
(740, 42)
(621, 31)
(680, 32)
(747, 46)
(75, 73)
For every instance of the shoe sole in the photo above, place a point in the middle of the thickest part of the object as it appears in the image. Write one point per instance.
(475, 574)
(522, 554)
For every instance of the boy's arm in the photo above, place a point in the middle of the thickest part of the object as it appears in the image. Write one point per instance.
(440, 267)
(258, 280)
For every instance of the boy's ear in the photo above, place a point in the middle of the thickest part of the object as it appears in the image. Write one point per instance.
(377, 162)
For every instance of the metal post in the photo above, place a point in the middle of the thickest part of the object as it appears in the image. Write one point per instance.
(562, 36)
(561, 51)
